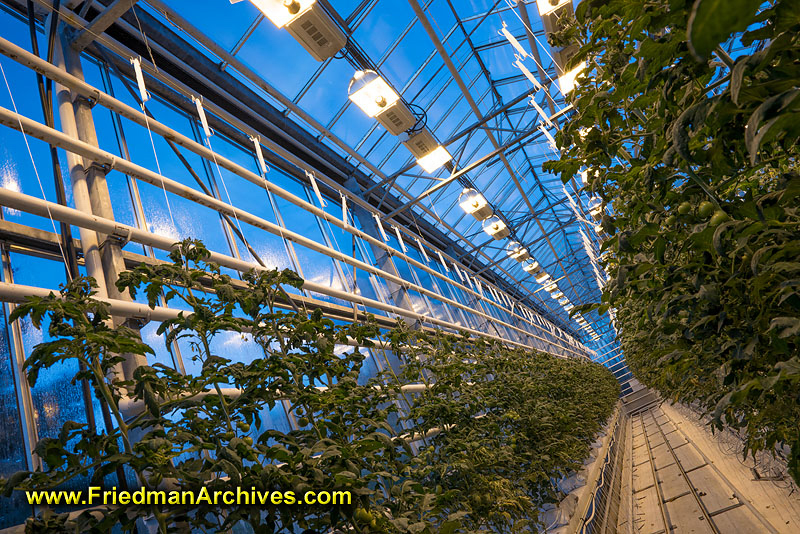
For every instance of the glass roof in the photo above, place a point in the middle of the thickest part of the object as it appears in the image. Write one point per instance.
(390, 38)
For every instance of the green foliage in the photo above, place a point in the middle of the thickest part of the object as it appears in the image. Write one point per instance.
(712, 22)
(509, 422)
(699, 161)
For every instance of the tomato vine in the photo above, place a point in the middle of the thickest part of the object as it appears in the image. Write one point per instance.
(480, 449)
(696, 152)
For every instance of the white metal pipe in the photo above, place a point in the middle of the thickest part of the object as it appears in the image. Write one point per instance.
(80, 190)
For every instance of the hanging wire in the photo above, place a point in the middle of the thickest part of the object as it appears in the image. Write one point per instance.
(158, 165)
(224, 187)
(36, 171)
(144, 38)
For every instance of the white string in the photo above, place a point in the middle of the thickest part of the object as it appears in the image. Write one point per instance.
(158, 166)
(225, 187)
(35, 170)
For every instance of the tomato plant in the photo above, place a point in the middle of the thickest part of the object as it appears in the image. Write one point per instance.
(478, 450)
(696, 153)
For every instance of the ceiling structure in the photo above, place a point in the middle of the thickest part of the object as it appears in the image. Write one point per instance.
(454, 68)
(450, 62)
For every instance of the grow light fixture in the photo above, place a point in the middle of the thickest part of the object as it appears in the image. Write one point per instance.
(307, 22)
(556, 295)
(517, 252)
(532, 266)
(563, 301)
(568, 306)
(566, 81)
(429, 153)
(474, 204)
(551, 287)
(556, 16)
(377, 99)
(548, 6)
(495, 227)
(542, 277)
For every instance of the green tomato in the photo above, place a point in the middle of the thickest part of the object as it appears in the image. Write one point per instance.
(685, 208)
(373, 524)
(672, 219)
(718, 218)
(244, 427)
(706, 209)
(302, 422)
(363, 515)
(227, 435)
(248, 440)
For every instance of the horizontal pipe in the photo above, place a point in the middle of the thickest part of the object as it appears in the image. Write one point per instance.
(17, 293)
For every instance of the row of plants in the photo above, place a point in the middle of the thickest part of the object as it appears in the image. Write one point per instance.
(479, 450)
(687, 126)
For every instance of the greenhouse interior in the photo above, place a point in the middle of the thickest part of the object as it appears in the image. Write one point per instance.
(407, 266)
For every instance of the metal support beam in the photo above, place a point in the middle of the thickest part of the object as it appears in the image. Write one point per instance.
(423, 18)
(437, 43)
(101, 23)
(456, 175)
(77, 121)
(245, 114)
(468, 130)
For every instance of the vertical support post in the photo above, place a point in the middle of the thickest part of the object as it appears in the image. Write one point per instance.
(80, 190)
(103, 253)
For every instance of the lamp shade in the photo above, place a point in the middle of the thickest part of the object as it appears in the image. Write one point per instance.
(371, 93)
(426, 149)
(517, 252)
(531, 266)
(548, 6)
(377, 99)
(473, 203)
(566, 82)
(281, 12)
(495, 227)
